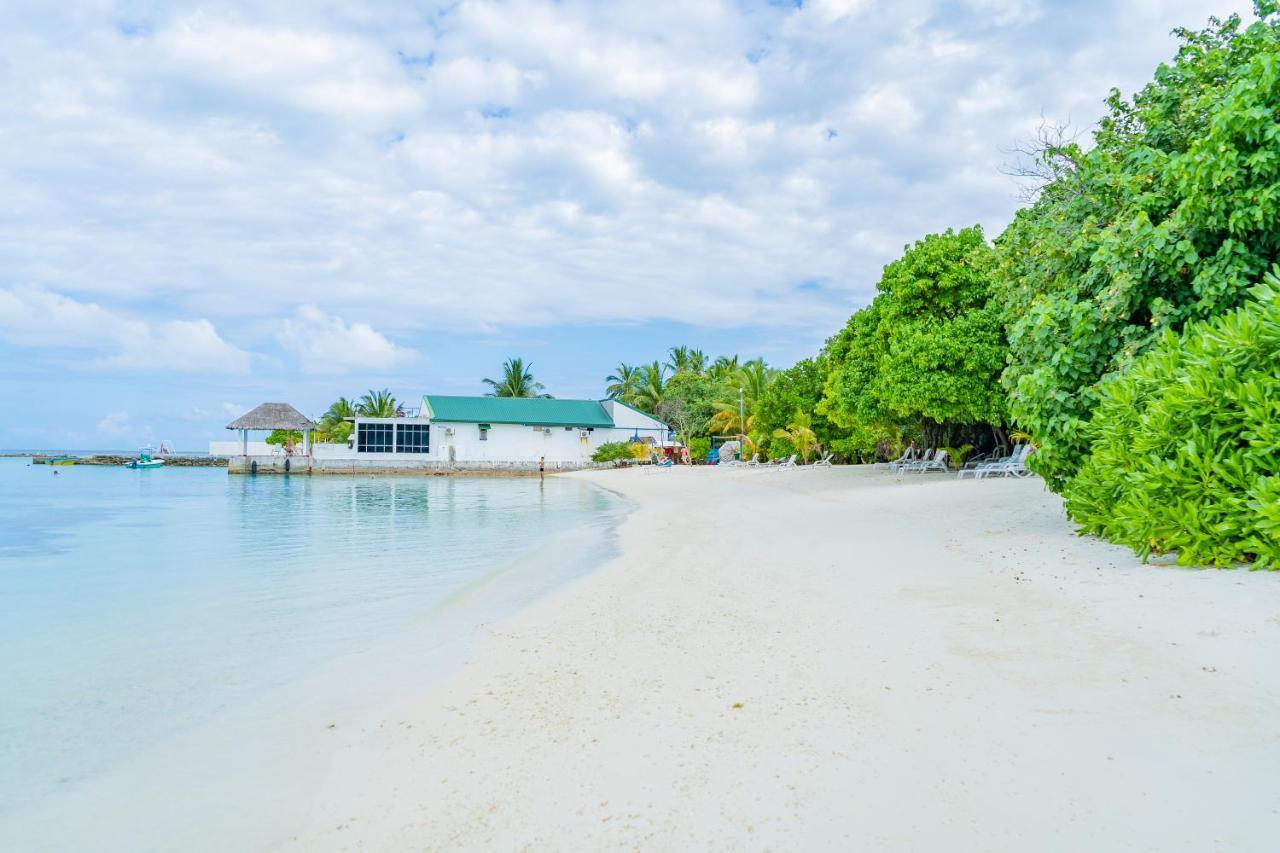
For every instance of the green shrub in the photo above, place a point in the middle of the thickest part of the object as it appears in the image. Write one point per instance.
(698, 449)
(284, 436)
(612, 451)
(1186, 444)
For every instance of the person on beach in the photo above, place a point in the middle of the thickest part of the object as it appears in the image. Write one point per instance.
(542, 466)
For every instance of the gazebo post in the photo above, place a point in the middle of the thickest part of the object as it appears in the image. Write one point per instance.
(244, 442)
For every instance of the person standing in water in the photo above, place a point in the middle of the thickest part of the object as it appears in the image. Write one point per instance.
(542, 466)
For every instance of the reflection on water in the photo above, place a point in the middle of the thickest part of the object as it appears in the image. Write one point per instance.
(134, 604)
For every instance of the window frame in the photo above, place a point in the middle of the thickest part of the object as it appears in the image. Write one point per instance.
(413, 445)
(384, 433)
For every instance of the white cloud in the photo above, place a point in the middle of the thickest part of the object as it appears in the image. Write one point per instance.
(481, 165)
(326, 344)
(220, 412)
(114, 424)
(33, 317)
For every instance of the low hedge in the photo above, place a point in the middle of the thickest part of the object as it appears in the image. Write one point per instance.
(1185, 445)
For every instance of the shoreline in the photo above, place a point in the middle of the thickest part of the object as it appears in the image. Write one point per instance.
(823, 659)
(246, 775)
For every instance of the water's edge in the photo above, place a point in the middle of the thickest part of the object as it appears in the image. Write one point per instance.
(244, 780)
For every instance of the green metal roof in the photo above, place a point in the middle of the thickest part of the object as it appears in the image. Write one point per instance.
(529, 411)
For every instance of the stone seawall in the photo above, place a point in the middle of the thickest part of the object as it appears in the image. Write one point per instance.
(303, 465)
(169, 461)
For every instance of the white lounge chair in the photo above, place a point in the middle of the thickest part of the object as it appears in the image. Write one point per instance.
(1014, 466)
(824, 462)
(907, 456)
(789, 462)
(912, 464)
(971, 466)
(937, 463)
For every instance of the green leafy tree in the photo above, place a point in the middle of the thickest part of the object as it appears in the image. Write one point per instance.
(926, 354)
(697, 396)
(1166, 219)
(517, 381)
(945, 343)
(290, 437)
(377, 404)
(799, 388)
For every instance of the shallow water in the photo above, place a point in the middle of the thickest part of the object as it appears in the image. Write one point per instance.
(137, 607)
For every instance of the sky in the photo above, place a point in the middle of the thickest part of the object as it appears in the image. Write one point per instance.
(210, 206)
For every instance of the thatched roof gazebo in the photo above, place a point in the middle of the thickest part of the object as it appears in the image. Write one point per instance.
(273, 416)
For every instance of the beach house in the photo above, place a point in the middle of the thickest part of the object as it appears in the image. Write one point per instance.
(479, 433)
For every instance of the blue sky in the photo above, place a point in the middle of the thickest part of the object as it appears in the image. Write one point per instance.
(209, 206)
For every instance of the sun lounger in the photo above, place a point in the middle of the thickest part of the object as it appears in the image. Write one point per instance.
(912, 464)
(1014, 466)
(972, 466)
(938, 462)
(907, 456)
(824, 462)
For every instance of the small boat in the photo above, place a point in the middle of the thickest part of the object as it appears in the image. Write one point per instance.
(60, 460)
(144, 460)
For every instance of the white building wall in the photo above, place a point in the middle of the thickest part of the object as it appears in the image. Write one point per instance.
(625, 417)
(516, 443)
(461, 443)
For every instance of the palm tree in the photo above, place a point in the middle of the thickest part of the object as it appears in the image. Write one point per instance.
(728, 420)
(650, 388)
(678, 359)
(697, 362)
(724, 366)
(377, 404)
(336, 414)
(333, 424)
(800, 434)
(622, 382)
(517, 381)
(754, 378)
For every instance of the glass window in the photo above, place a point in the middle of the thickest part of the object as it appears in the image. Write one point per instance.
(374, 438)
(413, 438)
(484, 432)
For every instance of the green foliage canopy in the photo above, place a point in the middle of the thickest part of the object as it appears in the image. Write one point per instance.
(1167, 219)
(929, 348)
(1186, 444)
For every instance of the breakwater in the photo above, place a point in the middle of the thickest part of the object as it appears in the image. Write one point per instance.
(112, 459)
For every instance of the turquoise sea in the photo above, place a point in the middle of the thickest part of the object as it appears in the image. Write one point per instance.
(152, 622)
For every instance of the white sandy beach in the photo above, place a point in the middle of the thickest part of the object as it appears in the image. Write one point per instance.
(840, 660)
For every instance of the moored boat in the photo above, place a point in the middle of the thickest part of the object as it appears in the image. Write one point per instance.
(144, 460)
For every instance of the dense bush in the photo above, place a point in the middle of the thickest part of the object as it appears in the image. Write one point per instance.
(612, 451)
(1167, 219)
(1186, 444)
